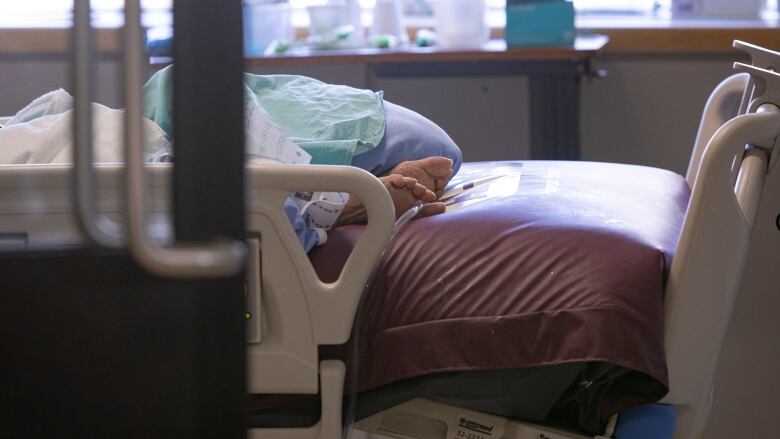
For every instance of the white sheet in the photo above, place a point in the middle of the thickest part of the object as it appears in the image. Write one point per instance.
(48, 138)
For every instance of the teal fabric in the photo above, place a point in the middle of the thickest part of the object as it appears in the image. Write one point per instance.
(331, 122)
(158, 99)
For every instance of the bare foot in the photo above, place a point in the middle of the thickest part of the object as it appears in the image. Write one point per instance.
(432, 172)
(404, 191)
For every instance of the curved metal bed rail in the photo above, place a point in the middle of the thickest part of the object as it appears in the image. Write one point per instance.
(221, 257)
(98, 228)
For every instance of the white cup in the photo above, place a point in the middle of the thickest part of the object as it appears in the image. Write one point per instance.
(264, 23)
(460, 23)
(324, 19)
(353, 16)
(388, 20)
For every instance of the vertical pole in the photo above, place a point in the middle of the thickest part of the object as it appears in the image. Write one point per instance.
(208, 130)
(208, 119)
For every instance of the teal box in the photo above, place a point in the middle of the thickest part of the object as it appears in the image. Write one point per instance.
(540, 23)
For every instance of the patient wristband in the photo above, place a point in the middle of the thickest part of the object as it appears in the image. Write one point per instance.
(321, 209)
(322, 236)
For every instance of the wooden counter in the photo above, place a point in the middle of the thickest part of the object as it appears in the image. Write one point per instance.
(639, 36)
(585, 47)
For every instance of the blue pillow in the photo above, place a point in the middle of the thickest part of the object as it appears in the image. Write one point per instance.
(408, 136)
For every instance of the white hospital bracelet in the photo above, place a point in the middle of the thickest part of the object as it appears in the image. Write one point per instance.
(324, 210)
(322, 236)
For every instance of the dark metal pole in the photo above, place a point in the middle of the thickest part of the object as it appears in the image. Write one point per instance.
(208, 119)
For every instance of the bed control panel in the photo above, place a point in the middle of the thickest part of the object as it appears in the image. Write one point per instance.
(253, 314)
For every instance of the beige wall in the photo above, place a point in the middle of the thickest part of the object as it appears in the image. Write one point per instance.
(26, 77)
(646, 111)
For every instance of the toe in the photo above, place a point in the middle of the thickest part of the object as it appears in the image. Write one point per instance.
(437, 167)
(393, 179)
(423, 194)
(401, 182)
(432, 209)
(441, 182)
(410, 183)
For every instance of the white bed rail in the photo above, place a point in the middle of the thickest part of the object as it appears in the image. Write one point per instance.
(727, 178)
(722, 105)
(707, 269)
(300, 312)
(332, 306)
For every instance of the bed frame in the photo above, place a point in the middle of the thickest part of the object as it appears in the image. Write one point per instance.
(290, 312)
(734, 154)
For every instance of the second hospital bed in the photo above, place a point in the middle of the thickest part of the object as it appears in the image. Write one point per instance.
(560, 293)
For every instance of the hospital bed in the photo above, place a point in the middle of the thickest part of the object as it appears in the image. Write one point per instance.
(298, 314)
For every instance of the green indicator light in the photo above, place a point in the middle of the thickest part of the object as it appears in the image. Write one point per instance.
(248, 315)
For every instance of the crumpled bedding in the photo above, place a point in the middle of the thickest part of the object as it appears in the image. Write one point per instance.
(331, 122)
(42, 132)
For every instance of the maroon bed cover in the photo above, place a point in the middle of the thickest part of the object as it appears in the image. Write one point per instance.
(544, 263)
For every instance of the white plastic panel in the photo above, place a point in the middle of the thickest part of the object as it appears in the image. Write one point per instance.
(254, 315)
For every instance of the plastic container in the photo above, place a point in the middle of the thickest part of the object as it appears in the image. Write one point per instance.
(263, 23)
(353, 15)
(389, 20)
(460, 23)
(325, 19)
(540, 23)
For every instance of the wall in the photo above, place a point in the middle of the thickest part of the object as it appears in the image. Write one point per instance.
(645, 112)
(27, 77)
(475, 112)
(487, 116)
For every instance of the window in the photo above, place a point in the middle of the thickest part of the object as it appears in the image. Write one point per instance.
(596, 6)
(57, 13)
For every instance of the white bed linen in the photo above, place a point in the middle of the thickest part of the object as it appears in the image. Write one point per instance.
(48, 139)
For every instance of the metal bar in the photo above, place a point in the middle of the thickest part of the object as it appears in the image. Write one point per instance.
(95, 227)
(208, 119)
(218, 258)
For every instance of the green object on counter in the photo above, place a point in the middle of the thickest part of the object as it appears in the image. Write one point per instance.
(277, 47)
(425, 38)
(383, 41)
